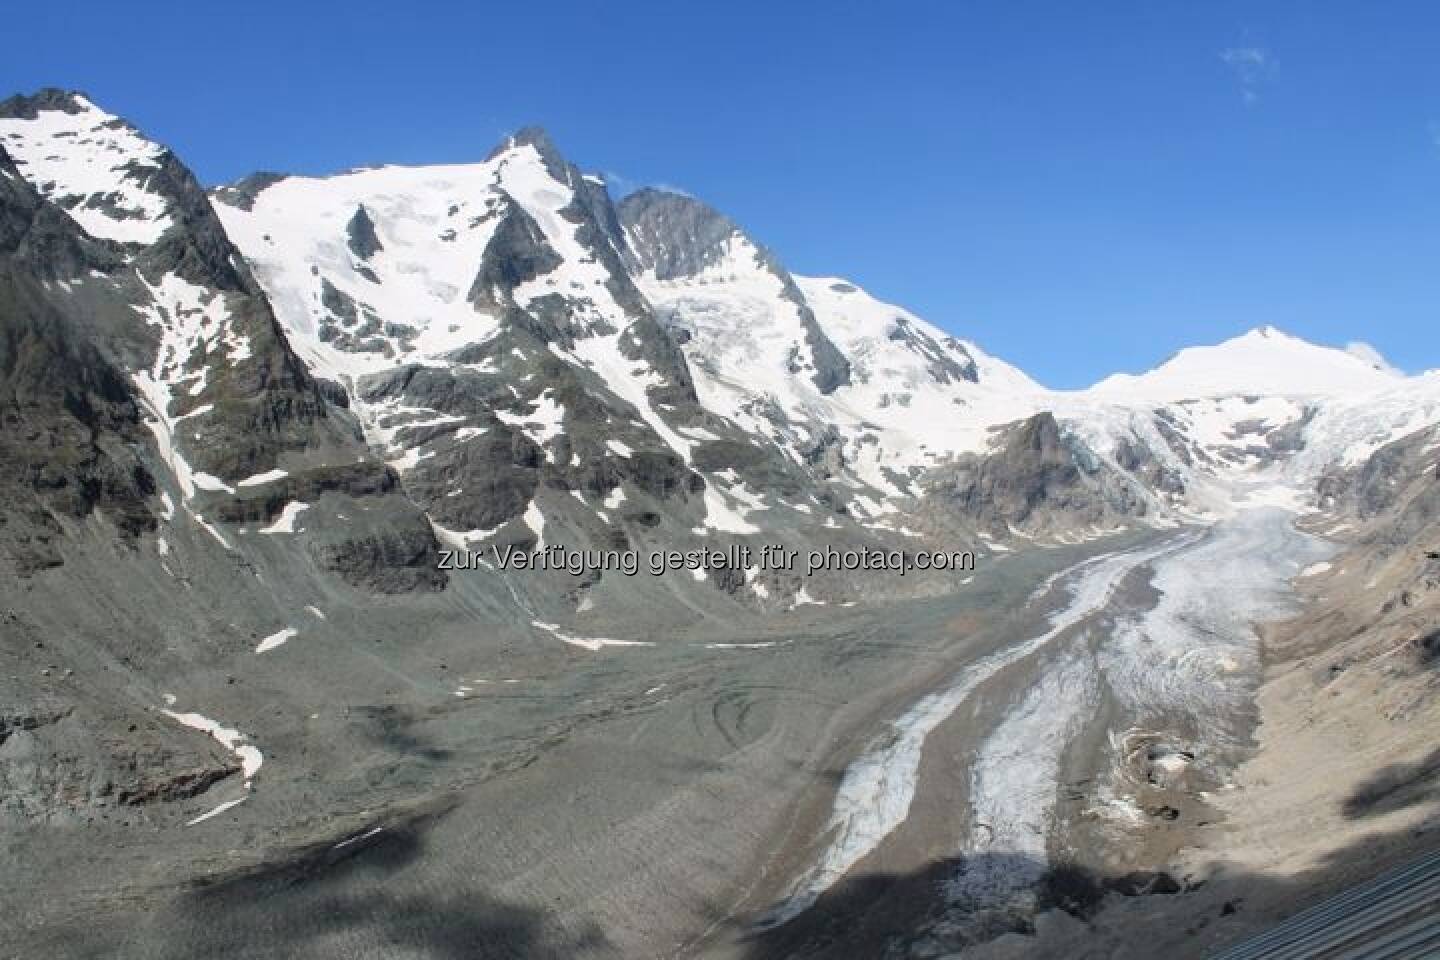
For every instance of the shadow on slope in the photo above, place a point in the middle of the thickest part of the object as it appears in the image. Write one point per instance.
(369, 895)
(1093, 916)
(1396, 787)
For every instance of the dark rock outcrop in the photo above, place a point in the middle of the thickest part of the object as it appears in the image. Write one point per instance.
(1035, 480)
(676, 236)
(360, 235)
(243, 192)
(69, 426)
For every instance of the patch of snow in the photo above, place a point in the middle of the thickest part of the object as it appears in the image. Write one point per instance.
(276, 639)
(285, 522)
(593, 644)
(249, 756)
(259, 478)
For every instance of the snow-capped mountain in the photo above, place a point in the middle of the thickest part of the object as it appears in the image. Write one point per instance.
(818, 362)
(1263, 362)
(95, 166)
(495, 347)
(139, 271)
(501, 352)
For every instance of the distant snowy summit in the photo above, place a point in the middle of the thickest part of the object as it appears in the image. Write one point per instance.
(1263, 362)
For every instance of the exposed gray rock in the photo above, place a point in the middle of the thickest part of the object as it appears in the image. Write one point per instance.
(69, 426)
(673, 235)
(382, 546)
(1036, 480)
(360, 235)
(29, 106)
(1138, 459)
(678, 236)
(243, 192)
(75, 443)
(1397, 488)
(517, 253)
(71, 753)
(947, 361)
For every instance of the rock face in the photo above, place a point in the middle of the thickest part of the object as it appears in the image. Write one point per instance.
(675, 237)
(533, 386)
(497, 348)
(360, 235)
(1391, 501)
(114, 337)
(1395, 482)
(68, 422)
(54, 769)
(1037, 481)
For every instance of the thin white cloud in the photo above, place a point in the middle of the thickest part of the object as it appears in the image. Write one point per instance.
(621, 185)
(1250, 65)
(1363, 351)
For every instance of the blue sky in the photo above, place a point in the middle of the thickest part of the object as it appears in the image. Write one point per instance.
(1080, 188)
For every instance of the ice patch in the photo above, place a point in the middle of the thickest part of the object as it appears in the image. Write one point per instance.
(802, 598)
(535, 520)
(1196, 650)
(1013, 784)
(357, 838)
(721, 516)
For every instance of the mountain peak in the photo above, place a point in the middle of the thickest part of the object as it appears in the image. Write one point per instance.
(539, 139)
(1262, 361)
(100, 169)
(1266, 331)
(534, 135)
(673, 234)
(23, 106)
